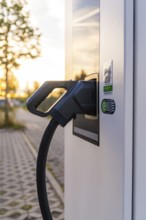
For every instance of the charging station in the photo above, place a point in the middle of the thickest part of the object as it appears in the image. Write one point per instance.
(99, 176)
(103, 111)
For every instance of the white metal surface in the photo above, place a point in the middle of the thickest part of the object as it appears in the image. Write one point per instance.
(98, 179)
(140, 113)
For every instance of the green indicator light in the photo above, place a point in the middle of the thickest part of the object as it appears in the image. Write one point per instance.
(108, 88)
(108, 106)
(104, 106)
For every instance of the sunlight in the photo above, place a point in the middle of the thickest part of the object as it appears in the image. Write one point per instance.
(39, 70)
(51, 65)
(35, 48)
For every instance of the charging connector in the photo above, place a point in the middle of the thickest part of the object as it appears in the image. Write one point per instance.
(80, 98)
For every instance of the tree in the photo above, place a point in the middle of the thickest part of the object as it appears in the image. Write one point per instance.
(30, 90)
(36, 85)
(12, 85)
(19, 40)
(81, 75)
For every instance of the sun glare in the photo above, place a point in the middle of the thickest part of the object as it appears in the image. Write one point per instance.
(50, 66)
(38, 57)
(39, 70)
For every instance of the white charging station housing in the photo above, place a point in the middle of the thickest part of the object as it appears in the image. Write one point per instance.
(107, 182)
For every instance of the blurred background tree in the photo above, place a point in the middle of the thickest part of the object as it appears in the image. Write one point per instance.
(12, 85)
(19, 40)
(81, 75)
(30, 90)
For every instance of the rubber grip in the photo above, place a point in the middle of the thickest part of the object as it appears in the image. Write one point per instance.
(37, 98)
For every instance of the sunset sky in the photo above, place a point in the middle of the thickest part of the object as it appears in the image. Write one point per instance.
(49, 17)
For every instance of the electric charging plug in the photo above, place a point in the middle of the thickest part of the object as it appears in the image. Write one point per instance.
(80, 98)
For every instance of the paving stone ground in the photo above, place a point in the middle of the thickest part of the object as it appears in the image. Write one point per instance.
(35, 127)
(18, 196)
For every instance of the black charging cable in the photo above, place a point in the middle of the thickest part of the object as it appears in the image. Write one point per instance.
(80, 98)
(41, 169)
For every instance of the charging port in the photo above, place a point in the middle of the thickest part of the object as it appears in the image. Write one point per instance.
(87, 126)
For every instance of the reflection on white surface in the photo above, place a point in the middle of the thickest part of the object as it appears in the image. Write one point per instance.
(87, 15)
(86, 24)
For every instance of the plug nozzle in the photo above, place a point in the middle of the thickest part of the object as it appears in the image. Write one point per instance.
(80, 98)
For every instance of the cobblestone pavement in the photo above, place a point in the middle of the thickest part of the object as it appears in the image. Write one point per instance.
(18, 197)
(35, 128)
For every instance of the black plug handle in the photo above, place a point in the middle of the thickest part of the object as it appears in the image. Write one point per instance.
(37, 98)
